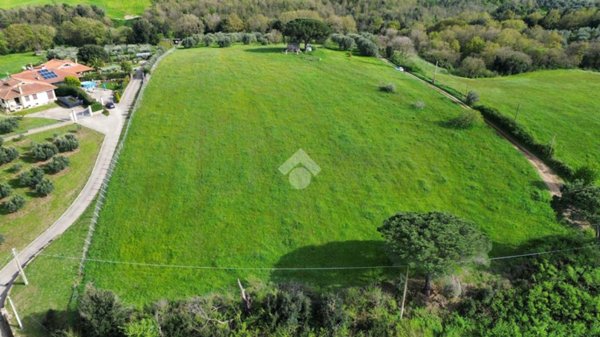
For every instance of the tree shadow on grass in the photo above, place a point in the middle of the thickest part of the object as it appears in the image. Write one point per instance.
(347, 255)
(46, 322)
(265, 50)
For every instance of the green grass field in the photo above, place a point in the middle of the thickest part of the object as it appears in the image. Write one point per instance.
(14, 63)
(51, 280)
(22, 227)
(114, 8)
(555, 105)
(198, 182)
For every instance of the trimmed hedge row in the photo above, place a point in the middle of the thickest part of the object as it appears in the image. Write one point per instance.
(64, 90)
(510, 126)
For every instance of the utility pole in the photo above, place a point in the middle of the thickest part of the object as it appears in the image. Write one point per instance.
(404, 293)
(435, 72)
(517, 113)
(14, 252)
(12, 305)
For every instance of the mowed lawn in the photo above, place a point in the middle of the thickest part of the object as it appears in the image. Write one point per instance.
(114, 8)
(559, 106)
(20, 228)
(198, 183)
(14, 63)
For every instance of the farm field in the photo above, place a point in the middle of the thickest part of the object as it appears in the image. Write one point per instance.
(198, 182)
(555, 105)
(22, 227)
(114, 8)
(14, 63)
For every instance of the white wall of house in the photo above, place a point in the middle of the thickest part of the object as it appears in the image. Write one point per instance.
(29, 101)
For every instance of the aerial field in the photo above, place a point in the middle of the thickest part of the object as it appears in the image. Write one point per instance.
(198, 182)
(559, 106)
(117, 9)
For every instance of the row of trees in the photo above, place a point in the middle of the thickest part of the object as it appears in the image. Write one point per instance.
(475, 38)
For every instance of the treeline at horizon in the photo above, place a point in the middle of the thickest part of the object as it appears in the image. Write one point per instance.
(474, 38)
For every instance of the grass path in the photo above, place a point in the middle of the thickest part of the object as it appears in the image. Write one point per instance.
(198, 185)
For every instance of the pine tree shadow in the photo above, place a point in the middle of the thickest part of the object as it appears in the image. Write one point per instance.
(336, 264)
(266, 50)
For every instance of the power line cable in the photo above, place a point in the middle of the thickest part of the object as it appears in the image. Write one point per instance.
(181, 266)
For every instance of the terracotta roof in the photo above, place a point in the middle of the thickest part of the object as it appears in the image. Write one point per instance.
(61, 68)
(12, 88)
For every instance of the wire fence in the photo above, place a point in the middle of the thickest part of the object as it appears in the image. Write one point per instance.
(113, 163)
(329, 268)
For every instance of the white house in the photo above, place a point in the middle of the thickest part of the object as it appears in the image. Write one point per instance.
(17, 94)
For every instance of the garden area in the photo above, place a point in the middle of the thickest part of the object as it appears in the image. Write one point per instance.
(40, 176)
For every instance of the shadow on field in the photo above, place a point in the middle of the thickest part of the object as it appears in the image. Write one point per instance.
(47, 322)
(278, 50)
(345, 254)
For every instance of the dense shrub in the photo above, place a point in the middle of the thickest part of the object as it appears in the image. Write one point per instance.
(471, 98)
(101, 314)
(16, 168)
(31, 178)
(344, 42)
(188, 42)
(57, 164)
(92, 54)
(44, 187)
(366, 47)
(8, 154)
(405, 62)
(248, 38)
(389, 87)
(586, 174)
(96, 106)
(44, 151)
(508, 62)
(465, 121)
(224, 41)
(548, 296)
(66, 143)
(5, 190)
(208, 40)
(8, 125)
(72, 81)
(13, 204)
